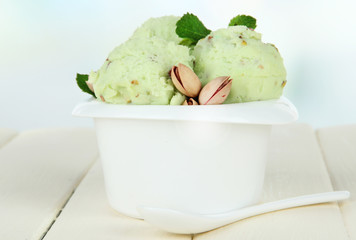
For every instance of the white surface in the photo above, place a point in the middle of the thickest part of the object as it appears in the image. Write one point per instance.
(270, 112)
(39, 170)
(189, 223)
(88, 216)
(338, 145)
(295, 167)
(45, 43)
(6, 135)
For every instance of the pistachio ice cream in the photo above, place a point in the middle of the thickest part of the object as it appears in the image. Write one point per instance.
(256, 68)
(137, 71)
(162, 27)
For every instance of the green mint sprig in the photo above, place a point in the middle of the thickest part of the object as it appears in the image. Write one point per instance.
(81, 81)
(191, 29)
(245, 20)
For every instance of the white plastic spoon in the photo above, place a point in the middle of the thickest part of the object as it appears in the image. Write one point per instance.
(189, 223)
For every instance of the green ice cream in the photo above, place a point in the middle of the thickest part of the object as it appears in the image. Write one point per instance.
(162, 27)
(137, 71)
(256, 68)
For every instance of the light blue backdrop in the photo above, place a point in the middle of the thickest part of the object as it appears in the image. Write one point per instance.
(44, 43)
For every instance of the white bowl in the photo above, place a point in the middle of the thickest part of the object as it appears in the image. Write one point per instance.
(201, 159)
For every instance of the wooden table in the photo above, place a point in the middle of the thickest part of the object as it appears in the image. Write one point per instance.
(51, 187)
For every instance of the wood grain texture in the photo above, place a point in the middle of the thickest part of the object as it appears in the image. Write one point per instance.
(38, 172)
(295, 167)
(339, 148)
(6, 135)
(89, 216)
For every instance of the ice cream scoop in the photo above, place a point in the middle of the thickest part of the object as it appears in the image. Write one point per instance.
(256, 67)
(161, 27)
(137, 72)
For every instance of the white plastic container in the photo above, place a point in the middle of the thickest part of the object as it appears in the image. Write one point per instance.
(201, 159)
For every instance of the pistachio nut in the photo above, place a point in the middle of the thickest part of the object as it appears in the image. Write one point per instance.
(185, 80)
(216, 91)
(190, 101)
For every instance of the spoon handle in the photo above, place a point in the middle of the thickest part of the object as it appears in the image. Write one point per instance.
(284, 204)
(187, 223)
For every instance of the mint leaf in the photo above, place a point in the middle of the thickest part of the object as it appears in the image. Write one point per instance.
(190, 27)
(245, 20)
(81, 81)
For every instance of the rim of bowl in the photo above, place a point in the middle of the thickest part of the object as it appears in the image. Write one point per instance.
(269, 112)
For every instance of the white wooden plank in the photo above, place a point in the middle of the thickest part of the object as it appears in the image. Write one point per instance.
(339, 147)
(89, 216)
(295, 167)
(38, 172)
(6, 135)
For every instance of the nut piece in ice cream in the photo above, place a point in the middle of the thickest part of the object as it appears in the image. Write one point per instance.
(90, 86)
(216, 91)
(185, 80)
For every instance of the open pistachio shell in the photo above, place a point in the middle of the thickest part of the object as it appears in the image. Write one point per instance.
(185, 80)
(190, 101)
(216, 91)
